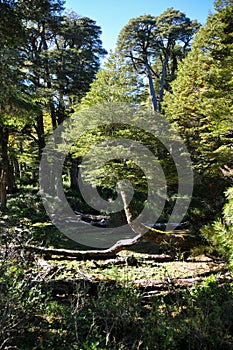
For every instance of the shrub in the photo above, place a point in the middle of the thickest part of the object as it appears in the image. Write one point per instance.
(220, 233)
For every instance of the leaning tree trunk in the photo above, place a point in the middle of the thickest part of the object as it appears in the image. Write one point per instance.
(183, 241)
(176, 239)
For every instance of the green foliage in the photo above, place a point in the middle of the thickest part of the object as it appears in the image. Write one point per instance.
(26, 213)
(115, 82)
(48, 61)
(11, 29)
(74, 61)
(222, 4)
(200, 105)
(112, 149)
(211, 307)
(12, 37)
(219, 234)
(200, 108)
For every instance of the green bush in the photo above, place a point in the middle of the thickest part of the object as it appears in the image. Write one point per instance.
(220, 233)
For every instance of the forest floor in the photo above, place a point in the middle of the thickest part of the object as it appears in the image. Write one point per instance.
(145, 265)
(61, 302)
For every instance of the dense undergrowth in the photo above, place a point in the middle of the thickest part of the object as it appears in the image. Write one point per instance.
(112, 316)
(115, 314)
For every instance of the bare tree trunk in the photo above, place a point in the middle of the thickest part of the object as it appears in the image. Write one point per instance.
(3, 197)
(151, 86)
(61, 112)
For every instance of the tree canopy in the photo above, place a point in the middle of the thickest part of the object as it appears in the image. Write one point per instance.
(200, 103)
(48, 61)
(154, 45)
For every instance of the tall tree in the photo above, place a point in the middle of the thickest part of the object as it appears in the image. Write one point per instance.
(48, 61)
(200, 107)
(74, 61)
(114, 83)
(153, 45)
(12, 101)
(200, 104)
(41, 20)
(62, 57)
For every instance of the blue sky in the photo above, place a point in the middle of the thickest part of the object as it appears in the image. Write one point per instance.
(113, 15)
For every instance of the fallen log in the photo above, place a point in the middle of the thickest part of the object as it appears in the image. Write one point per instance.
(183, 241)
(67, 287)
(99, 220)
(155, 288)
(84, 255)
(131, 260)
(156, 232)
(91, 217)
(103, 221)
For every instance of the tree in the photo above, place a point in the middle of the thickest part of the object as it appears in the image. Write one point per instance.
(176, 31)
(153, 45)
(41, 20)
(118, 144)
(61, 59)
(219, 234)
(12, 101)
(200, 104)
(74, 62)
(200, 107)
(114, 83)
(48, 61)
(222, 4)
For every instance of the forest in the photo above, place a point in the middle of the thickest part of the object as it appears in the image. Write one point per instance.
(116, 168)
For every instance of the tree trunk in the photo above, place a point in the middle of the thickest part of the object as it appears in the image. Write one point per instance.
(162, 81)
(4, 136)
(135, 225)
(151, 86)
(3, 197)
(61, 112)
(53, 115)
(11, 185)
(40, 132)
(16, 168)
(74, 174)
(177, 240)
